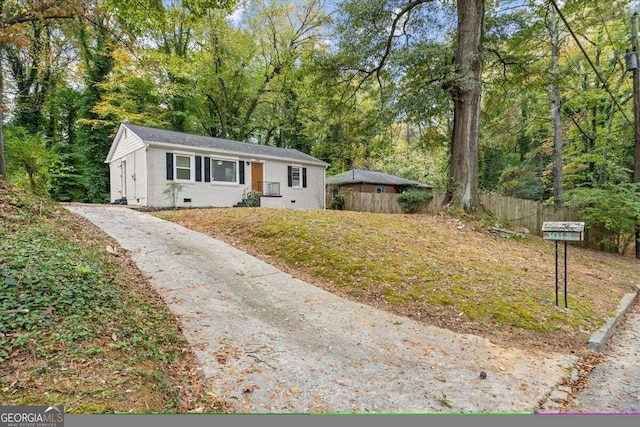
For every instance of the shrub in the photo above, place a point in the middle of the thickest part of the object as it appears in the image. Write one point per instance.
(414, 201)
(337, 203)
(171, 191)
(253, 199)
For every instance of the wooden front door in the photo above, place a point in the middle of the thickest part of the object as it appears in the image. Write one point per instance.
(257, 177)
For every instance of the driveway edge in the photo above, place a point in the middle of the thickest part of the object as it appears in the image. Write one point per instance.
(555, 401)
(599, 338)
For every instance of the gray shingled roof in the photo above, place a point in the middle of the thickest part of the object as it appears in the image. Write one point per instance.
(359, 176)
(151, 135)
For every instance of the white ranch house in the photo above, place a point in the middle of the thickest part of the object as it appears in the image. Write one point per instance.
(214, 172)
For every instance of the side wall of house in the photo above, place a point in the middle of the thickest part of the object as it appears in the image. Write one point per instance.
(128, 177)
(200, 193)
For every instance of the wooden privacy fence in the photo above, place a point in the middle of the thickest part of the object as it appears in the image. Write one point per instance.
(518, 213)
(530, 215)
(371, 202)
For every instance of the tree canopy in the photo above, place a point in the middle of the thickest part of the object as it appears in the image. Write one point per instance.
(459, 95)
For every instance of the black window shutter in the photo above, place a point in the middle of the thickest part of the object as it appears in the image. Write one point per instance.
(199, 168)
(170, 166)
(304, 177)
(290, 176)
(241, 164)
(207, 169)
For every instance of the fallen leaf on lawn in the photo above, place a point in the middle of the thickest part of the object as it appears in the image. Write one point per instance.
(114, 336)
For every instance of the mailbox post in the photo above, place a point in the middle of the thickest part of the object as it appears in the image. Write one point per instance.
(563, 232)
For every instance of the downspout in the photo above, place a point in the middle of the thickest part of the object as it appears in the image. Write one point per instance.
(324, 187)
(146, 171)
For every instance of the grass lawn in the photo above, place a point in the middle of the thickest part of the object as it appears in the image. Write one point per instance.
(80, 325)
(435, 269)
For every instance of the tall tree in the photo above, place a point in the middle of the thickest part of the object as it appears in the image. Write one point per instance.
(554, 92)
(381, 26)
(466, 91)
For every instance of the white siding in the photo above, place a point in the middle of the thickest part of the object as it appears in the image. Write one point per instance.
(128, 143)
(311, 197)
(114, 180)
(135, 182)
(208, 194)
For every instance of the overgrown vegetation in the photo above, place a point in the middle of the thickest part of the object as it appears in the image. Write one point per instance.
(440, 269)
(615, 208)
(79, 325)
(414, 201)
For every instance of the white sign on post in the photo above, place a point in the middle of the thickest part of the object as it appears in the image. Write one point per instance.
(571, 231)
(562, 231)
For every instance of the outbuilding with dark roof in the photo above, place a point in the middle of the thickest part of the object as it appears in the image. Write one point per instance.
(365, 181)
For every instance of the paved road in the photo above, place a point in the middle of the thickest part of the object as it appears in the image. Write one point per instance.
(614, 385)
(272, 343)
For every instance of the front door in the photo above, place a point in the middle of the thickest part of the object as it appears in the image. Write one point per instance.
(257, 177)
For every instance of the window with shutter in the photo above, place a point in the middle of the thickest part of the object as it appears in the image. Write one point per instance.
(297, 176)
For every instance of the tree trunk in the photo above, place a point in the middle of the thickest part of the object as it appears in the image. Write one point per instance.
(554, 92)
(466, 92)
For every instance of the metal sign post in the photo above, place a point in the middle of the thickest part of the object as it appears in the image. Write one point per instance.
(565, 232)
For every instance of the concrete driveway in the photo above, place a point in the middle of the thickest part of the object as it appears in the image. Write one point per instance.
(273, 343)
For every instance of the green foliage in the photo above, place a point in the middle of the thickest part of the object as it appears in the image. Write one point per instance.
(28, 160)
(414, 201)
(44, 278)
(71, 309)
(95, 134)
(522, 183)
(252, 199)
(615, 208)
(337, 202)
(66, 174)
(171, 191)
